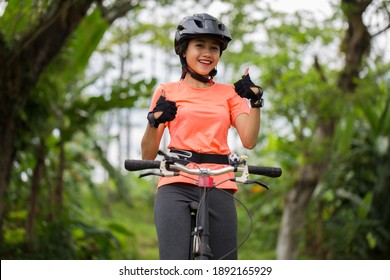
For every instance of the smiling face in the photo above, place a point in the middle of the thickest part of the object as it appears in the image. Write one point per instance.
(202, 55)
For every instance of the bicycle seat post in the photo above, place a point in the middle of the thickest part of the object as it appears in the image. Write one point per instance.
(204, 252)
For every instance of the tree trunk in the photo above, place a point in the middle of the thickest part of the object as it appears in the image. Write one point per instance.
(355, 46)
(294, 213)
(36, 180)
(20, 71)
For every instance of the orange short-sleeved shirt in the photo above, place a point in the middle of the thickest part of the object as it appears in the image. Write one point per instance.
(204, 116)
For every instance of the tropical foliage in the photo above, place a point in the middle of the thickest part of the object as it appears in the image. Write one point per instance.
(68, 81)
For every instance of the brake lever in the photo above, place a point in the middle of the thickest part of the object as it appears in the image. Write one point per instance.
(164, 172)
(256, 182)
(149, 174)
(167, 156)
(160, 174)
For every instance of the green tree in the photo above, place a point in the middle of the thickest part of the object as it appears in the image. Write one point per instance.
(336, 90)
(326, 123)
(45, 48)
(315, 111)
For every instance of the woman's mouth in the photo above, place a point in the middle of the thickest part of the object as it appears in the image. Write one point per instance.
(206, 62)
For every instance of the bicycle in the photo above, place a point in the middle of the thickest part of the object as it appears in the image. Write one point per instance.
(173, 165)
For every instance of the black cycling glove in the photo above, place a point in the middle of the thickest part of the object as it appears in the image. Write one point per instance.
(168, 109)
(243, 89)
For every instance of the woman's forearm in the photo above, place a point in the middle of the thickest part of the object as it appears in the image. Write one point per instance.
(150, 142)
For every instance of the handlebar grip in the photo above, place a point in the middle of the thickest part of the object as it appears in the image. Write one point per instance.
(273, 172)
(138, 164)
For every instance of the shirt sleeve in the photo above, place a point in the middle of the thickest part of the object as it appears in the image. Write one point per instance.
(160, 90)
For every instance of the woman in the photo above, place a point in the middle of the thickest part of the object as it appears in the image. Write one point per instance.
(198, 113)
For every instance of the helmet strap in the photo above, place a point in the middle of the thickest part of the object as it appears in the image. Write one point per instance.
(196, 76)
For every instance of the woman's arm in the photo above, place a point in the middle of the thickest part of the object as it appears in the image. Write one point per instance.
(150, 142)
(164, 110)
(248, 127)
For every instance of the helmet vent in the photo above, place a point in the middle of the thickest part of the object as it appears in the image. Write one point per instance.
(198, 23)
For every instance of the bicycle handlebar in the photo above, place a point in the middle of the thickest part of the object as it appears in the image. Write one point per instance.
(137, 165)
(273, 172)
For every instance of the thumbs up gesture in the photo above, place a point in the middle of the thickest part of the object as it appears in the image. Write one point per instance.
(245, 88)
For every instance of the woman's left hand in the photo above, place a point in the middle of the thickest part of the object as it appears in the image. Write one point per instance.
(247, 89)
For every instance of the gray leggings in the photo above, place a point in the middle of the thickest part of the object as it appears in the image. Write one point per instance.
(172, 215)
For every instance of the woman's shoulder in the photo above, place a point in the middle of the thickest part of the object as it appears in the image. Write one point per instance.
(169, 87)
(170, 84)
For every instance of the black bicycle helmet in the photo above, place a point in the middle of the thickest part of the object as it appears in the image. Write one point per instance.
(195, 26)
(198, 25)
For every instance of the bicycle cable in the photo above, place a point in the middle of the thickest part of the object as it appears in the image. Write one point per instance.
(250, 224)
(242, 204)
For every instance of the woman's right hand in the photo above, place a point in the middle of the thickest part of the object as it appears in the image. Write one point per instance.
(165, 111)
